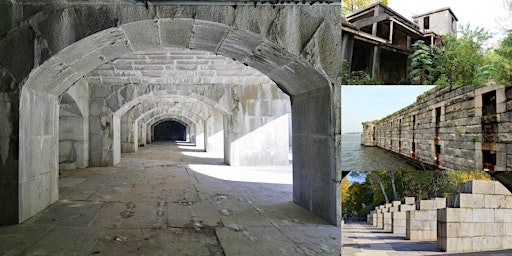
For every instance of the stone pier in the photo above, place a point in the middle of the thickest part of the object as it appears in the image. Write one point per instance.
(478, 218)
(388, 216)
(400, 216)
(421, 224)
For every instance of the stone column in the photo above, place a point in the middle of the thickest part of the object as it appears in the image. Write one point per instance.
(347, 49)
(400, 217)
(376, 62)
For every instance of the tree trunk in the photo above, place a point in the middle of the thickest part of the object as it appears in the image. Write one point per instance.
(383, 191)
(392, 178)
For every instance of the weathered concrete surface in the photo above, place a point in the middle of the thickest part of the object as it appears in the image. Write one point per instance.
(295, 46)
(162, 200)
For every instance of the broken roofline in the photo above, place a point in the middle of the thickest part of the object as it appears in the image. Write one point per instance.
(366, 9)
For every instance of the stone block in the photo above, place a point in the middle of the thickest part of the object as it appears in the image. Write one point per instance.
(387, 205)
(483, 243)
(483, 215)
(461, 244)
(455, 215)
(396, 203)
(409, 200)
(439, 203)
(422, 235)
(478, 228)
(507, 242)
(508, 228)
(455, 229)
(425, 205)
(406, 207)
(503, 215)
(479, 187)
(393, 209)
(499, 189)
(494, 229)
(491, 201)
(468, 201)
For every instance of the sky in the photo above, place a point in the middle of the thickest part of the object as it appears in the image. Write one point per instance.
(365, 103)
(476, 13)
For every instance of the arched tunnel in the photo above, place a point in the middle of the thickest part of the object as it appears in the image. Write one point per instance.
(170, 131)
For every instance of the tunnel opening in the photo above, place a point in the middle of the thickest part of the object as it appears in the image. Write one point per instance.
(170, 131)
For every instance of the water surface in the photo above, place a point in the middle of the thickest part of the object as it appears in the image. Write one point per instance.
(356, 157)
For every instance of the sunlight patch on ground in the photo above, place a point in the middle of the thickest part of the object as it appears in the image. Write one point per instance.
(203, 154)
(258, 174)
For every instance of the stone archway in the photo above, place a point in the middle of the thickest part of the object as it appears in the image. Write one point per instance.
(142, 125)
(315, 125)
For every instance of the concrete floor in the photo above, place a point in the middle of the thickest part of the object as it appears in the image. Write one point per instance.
(362, 239)
(170, 199)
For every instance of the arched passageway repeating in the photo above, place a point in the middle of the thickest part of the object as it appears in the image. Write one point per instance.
(315, 126)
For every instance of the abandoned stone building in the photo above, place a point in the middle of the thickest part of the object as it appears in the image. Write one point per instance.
(377, 40)
(451, 127)
(87, 84)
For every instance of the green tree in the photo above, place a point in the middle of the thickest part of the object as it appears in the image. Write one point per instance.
(501, 59)
(421, 70)
(460, 61)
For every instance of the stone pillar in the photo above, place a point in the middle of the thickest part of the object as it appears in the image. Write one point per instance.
(478, 218)
(215, 133)
(400, 216)
(376, 62)
(39, 153)
(314, 176)
(421, 225)
(347, 50)
(388, 216)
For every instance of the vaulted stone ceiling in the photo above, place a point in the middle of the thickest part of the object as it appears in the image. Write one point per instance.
(175, 66)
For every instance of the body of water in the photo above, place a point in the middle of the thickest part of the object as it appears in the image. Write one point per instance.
(356, 157)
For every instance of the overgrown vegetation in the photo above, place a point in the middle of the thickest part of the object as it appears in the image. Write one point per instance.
(356, 77)
(382, 187)
(463, 60)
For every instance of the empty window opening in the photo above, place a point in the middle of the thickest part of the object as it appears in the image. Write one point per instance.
(437, 155)
(400, 135)
(489, 159)
(373, 137)
(438, 121)
(489, 119)
(489, 104)
(170, 131)
(426, 23)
